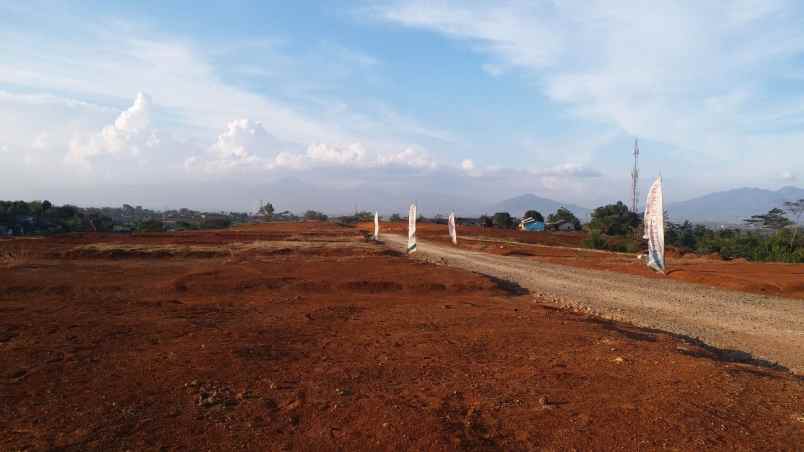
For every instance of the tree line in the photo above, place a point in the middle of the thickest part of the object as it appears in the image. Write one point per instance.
(773, 236)
(43, 217)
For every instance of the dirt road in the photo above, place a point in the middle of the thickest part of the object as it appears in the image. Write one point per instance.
(767, 328)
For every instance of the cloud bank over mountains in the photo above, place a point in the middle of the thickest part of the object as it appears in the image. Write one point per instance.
(485, 100)
(140, 139)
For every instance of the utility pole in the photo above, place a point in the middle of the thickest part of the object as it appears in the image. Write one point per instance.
(635, 179)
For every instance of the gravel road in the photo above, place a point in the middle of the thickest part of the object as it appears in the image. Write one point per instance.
(767, 328)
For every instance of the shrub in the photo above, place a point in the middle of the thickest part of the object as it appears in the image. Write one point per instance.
(150, 226)
(314, 215)
(503, 220)
(595, 241)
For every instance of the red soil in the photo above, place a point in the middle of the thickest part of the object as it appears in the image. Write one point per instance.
(352, 350)
(784, 280)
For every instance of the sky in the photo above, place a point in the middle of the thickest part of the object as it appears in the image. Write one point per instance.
(219, 105)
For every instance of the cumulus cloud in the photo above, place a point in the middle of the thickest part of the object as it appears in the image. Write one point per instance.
(788, 176)
(241, 139)
(290, 160)
(130, 134)
(352, 155)
(247, 145)
(244, 144)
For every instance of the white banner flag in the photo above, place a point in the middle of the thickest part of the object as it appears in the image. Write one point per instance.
(412, 229)
(453, 234)
(376, 226)
(654, 226)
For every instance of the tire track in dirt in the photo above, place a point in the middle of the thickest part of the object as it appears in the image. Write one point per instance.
(746, 326)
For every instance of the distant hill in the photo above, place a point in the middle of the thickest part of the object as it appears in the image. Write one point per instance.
(519, 205)
(732, 206)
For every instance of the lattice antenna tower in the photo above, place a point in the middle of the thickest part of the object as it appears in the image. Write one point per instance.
(635, 179)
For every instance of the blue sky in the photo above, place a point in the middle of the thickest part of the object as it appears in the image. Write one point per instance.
(478, 100)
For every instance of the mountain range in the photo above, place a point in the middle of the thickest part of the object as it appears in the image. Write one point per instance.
(732, 206)
(724, 207)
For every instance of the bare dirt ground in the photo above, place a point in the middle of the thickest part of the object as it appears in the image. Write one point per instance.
(772, 329)
(778, 279)
(307, 337)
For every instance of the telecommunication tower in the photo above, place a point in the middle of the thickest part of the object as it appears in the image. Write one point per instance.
(635, 179)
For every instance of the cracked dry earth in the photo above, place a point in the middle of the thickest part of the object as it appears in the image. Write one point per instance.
(323, 341)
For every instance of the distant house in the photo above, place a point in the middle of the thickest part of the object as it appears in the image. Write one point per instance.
(531, 225)
(464, 221)
(561, 225)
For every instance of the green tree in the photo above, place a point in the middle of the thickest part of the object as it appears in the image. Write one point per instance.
(503, 220)
(687, 238)
(614, 219)
(314, 215)
(486, 221)
(267, 210)
(564, 214)
(535, 214)
(775, 219)
(796, 209)
(395, 218)
(99, 222)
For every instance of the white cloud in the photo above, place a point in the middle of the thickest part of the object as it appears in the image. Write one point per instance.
(44, 99)
(244, 145)
(354, 155)
(567, 170)
(130, 134)
(289, 160)
(697, 76)
(241, 140)
(409, 157)
(41, 141)
(494, 70)
(788, 176)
